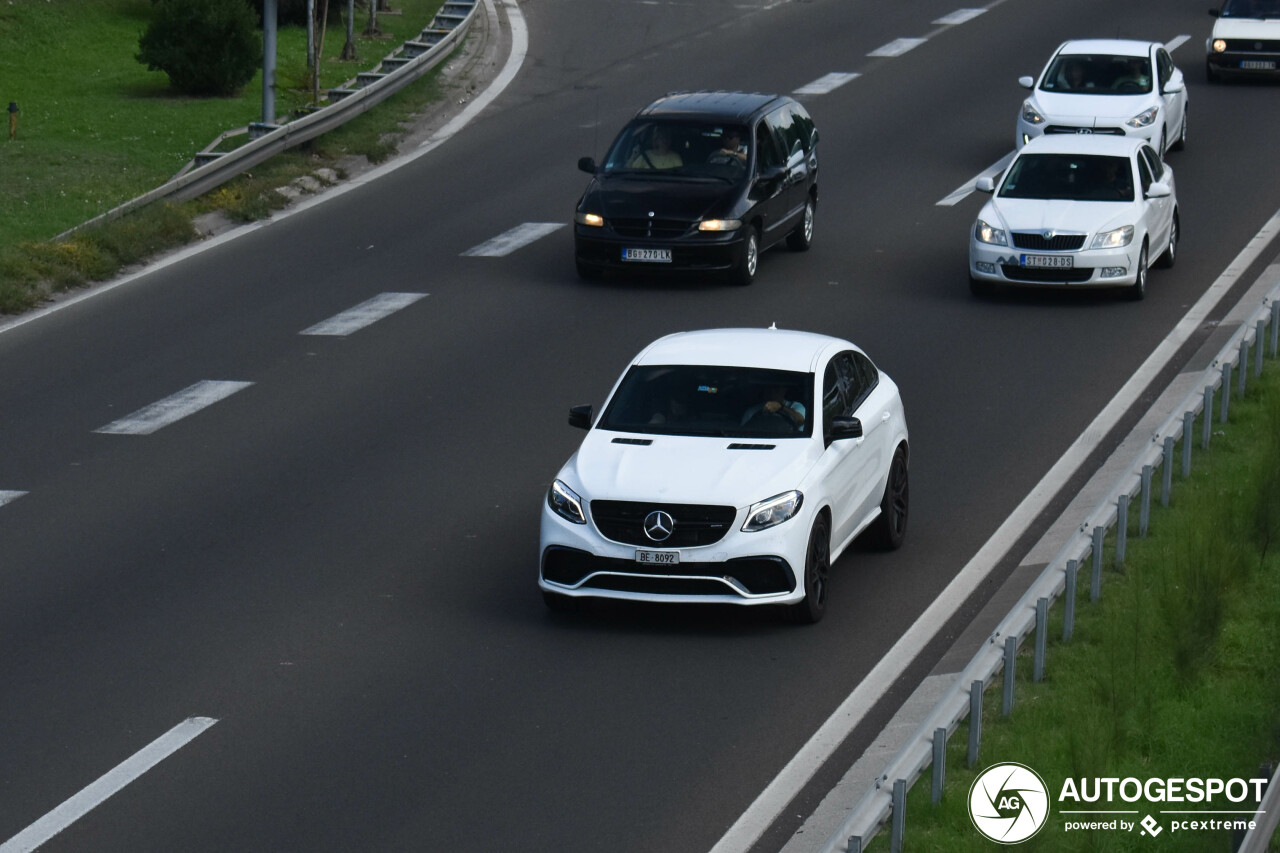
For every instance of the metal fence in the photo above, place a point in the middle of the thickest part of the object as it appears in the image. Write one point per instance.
(398, 69)
(1228, 374)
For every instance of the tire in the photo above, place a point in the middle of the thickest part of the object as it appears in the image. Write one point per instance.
(801, 238)
(1138, 290)
(817, 568)
(1169, 256)
(1164, 144)
(749, 261)
(1181, 142)
(890, 528)
(1212, 74)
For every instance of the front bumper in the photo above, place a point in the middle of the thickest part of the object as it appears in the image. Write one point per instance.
(602, 248)
(1090, 267)
(1263, 62)
(742, 568)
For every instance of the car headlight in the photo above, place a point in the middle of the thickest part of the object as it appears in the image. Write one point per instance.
(720, 225)
(1113, 239)
(565, 503)
(1030, 114)
(988, 233)
(772, 512)
(595, 220)
(1219, 45)
(1145, 118)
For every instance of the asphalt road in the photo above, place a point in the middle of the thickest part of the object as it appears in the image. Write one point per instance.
(337, 561)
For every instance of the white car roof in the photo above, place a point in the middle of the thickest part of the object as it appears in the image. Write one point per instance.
(780, 349)
(1109, 47)
(1083, 143)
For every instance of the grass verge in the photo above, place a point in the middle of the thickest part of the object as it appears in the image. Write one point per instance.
(1172, 674)
(96, 128)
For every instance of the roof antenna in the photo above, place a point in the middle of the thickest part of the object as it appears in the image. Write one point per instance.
(773, 326)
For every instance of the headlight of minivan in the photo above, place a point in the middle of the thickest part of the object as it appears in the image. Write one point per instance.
(565, 503)
(772, 512)
(595, 220)
(720, 225)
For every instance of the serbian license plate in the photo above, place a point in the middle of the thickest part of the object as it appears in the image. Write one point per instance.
(1258, 64)
(1048, 262)
(658, 558)
(651, 256)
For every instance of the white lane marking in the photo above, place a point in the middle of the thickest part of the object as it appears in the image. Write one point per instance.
(964, 190)
(365, 314)
(897, 47)
(505, 244)
(761, 814)
(9, 497)
(827, 83)
(959, 16)
(1176, 43)
(91, 797)
(173, 408)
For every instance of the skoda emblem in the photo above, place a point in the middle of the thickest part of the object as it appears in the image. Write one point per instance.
(1048, 235)
(658, 525)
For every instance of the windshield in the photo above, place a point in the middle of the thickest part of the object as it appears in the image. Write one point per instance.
(1251, 9)
(1098, 74)
(737, 402)
(1075, 177)
(686, 149)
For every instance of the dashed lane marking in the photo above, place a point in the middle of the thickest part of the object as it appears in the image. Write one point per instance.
(9, 497)
(827, 83)
(897, 47)
(365, 314)
(959, 16)
(174, 408)
(505, 244)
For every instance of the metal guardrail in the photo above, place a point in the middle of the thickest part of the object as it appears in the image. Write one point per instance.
(403, 66)
(1230, 367)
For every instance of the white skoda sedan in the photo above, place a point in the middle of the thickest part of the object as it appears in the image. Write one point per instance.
(1113, 87)
(728, 466)
(1076, 211)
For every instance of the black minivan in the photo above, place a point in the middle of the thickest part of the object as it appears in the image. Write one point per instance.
(701, 181)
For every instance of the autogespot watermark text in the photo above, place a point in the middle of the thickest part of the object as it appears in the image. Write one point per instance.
(1009, 804)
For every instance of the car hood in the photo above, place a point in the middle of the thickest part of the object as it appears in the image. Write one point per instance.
(1247, 28)
(1082, 217)
(1098, 107)
(685, 469)
(622, 197)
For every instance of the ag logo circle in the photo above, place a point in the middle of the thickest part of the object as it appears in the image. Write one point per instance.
(1009, 803)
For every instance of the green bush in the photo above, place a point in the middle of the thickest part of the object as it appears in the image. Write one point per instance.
(207, 47)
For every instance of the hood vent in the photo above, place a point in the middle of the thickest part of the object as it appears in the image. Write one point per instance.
(739, 446)
(643, 442)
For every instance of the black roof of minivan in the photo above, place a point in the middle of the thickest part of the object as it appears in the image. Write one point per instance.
(724, 106)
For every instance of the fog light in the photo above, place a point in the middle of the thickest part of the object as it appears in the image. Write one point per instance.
(983, 266)
(1114, 272)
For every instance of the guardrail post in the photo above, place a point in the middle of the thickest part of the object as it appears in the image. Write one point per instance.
(1206, 426)
(939, 763)
(975, 720)
(1042, 628)
(1010, 665)
(1069, 604)
(1144, 511)
(1226, 392)
(1244, 362)
(1099, 532)
(1275, 327)
(1257, 341)
(899, 816)
(1166, 482)
(1122, 529)
(1188, 418)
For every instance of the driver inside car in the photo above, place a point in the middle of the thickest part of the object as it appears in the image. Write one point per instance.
(774, 401)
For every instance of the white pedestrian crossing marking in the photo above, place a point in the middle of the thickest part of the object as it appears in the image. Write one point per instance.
(897, 47)
(173, 408)
(365, 314)
(827, 83)
(505, 244)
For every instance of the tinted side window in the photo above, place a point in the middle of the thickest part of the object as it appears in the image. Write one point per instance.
(1144, 174)
(783, 124)
(852, 381)
(767, 154)
(833, 400)
(1165, 67)
(804, 125)
(870, 376)
(1153, 162)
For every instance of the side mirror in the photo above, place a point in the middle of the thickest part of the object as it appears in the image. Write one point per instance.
(842, 427)
(587, 164)
(985, 184)
(1174, 87)
(580, 416)
(1159, 189)
(1026, 82)
(770, 176)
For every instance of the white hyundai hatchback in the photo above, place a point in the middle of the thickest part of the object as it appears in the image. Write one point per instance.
(728, 466)
(1076, 211)
(1117, 87)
